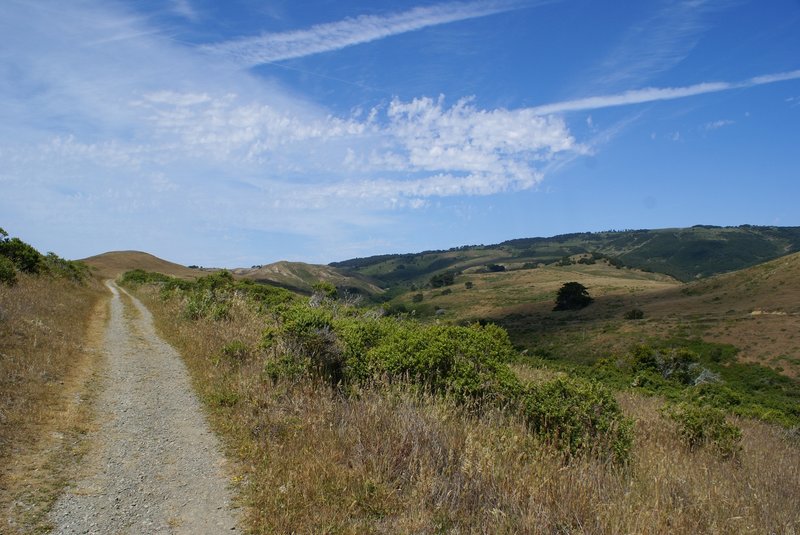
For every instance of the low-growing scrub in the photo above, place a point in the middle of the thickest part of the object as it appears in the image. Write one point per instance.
(701, 374)
(352, 349)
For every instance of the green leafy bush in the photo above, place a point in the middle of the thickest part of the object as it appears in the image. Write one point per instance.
(8, 274)
(578, 416)
(702, 425)
(674, 364)
(206, 304)
(24, 257)
(69, 269)
(465, 362)
(308, 334)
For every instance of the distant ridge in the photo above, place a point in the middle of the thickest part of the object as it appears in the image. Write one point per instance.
(114, 263)
(683, 253)
(299, 276)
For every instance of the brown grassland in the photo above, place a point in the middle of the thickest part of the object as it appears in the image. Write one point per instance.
(311, 460)
(113, 264)
(756, 309)
(49, 334)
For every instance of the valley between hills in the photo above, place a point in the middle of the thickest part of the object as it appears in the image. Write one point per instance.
(437, 391)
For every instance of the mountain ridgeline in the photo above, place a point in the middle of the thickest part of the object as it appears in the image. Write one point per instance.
(683, 253)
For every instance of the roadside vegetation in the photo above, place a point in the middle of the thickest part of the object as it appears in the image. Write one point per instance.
(46, 306)
(343, 418)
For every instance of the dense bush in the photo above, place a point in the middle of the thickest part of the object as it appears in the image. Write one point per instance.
(24, 257)
(8, 274)
(677, 364)
(442, 279)
(16, 255)
(702, 425)
(578, 415)
(465, 362)
(69, 269)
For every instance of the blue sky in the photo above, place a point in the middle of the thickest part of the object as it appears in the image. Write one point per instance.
(243, 132)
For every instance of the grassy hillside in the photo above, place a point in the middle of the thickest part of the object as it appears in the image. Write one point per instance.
(299, 276)
(343, 420)
(113, 264)
(684, 254)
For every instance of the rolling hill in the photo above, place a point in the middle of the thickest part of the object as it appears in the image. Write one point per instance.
(299, 276)
(756, 309)
(114, 263)
(684, 253)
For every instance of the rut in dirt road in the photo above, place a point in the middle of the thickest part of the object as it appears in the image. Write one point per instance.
(154, 466)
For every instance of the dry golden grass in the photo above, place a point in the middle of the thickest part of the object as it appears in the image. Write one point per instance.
(756, 309)
(313, 461)
(113, 264)
(49, 335)
(497, 294)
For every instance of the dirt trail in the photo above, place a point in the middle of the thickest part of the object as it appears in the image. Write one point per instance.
(155, 466)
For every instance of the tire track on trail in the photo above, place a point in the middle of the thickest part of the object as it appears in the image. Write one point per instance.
(154, 467)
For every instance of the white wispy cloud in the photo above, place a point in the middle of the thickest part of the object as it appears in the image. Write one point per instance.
(270, 47)
(714, 125)
(654, 94)
(185, 9)
(440, 150)
(657, 43)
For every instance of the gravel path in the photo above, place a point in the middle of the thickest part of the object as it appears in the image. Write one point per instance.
(154, 467)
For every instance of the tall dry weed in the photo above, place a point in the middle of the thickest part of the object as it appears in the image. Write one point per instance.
(43, 349)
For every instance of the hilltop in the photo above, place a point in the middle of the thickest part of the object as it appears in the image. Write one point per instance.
(115, 263)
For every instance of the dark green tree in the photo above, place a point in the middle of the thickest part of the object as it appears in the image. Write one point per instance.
(572, 296)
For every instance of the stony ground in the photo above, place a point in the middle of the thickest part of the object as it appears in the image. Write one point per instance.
(154, 467)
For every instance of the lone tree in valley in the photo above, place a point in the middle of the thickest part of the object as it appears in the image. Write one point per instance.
(572, 296)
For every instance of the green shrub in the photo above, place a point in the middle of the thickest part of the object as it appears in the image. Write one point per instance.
(326, 289)
(8, 274)
(24, 257)
(578, 416)
(677, 364)
(69, 269)
(286, 366)
(206, 304)
(715, 395)
(264, 295)
(465, 362)
(702, 425)
(308, 332)
(649, 381)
